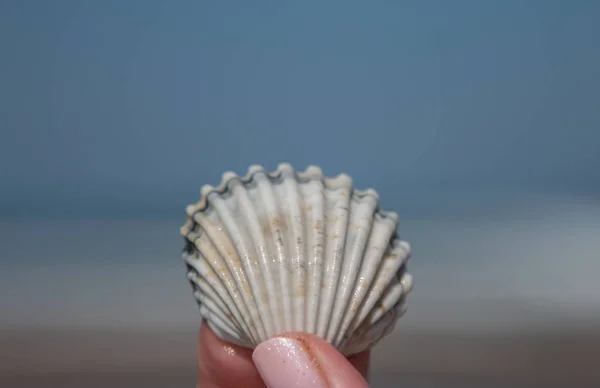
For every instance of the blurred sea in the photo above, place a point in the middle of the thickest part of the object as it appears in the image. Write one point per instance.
(501, 297)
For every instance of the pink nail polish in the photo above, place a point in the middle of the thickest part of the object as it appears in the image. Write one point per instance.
(284, 363)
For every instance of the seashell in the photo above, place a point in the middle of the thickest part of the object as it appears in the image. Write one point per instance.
(273, 252)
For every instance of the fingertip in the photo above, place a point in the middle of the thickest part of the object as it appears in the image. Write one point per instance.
(340, 371)
(309, 360)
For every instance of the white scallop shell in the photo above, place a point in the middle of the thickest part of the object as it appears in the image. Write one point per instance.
(284, 251)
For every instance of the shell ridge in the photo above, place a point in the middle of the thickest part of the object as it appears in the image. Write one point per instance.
(376, 250)
(212, 292)
(360, 227)
(291, 197)
(288, 260)
(366, 333)
(262, 281)
(276, 251)
(224, 335)
(206, 245)
(393, 296)
(314, 247)
(231, 276)
(246, 271)
(386, 274)
(395, 313)
(196, 270)
(213, 310)
(371, 285)
(387, 301)
(208, 294)
(373, 334)
(334, 255)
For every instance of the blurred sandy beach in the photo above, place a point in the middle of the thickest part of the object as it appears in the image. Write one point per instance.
(61, 358)
(500, 298)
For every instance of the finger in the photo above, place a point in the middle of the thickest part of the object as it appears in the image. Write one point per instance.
(361, 361)
(304, 360)
(223, 365)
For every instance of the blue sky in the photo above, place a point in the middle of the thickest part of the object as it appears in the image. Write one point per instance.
(114, 107)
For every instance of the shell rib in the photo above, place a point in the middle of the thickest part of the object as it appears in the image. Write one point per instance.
(273, 252)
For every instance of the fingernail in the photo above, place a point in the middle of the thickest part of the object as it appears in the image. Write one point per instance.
(286, 362)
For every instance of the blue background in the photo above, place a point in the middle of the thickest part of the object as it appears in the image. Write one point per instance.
(127, 107)
(477, 121)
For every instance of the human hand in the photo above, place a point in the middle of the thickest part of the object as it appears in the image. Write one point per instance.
(293, 360)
